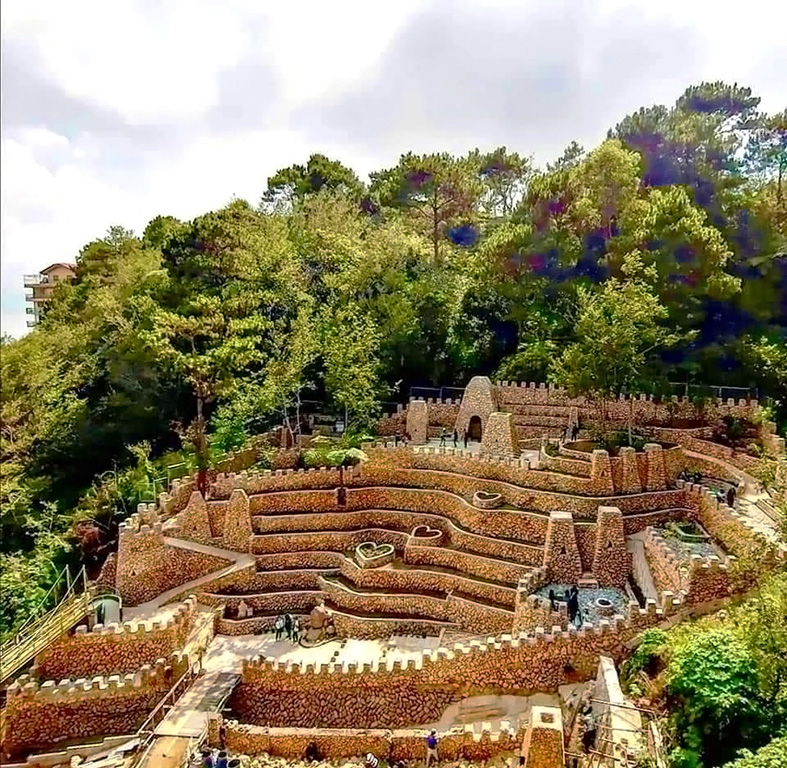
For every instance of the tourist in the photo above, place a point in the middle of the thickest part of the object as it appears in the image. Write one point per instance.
(456, 439)
(466, 436)
(371, 761)
(567, 600)
(397, 438)
(589, 736)
(279, 626)
(731, 497)
(207, 759)
(443, 433)
(552, 601)
(313, 754)
(573, 605)
(288, 625)
(431, 748)
(574, 432)
(223, 735)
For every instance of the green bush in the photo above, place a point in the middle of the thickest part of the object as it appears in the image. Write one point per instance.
(714, 692)
(773, 755)
(647, 657)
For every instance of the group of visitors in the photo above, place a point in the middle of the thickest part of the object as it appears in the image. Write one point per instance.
(401, 438)
(288, 626)
(444, 437)
(571, 599)
(373, 761)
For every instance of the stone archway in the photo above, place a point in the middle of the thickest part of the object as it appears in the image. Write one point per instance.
(475, 428)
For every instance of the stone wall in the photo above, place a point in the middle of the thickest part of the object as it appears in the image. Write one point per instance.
(643, 408)
(400, 744)
(115, 649)
(147, 565)
(41, 716)
(418, 690)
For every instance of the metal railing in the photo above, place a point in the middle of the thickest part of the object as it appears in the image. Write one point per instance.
(40, 631)
(147, 731)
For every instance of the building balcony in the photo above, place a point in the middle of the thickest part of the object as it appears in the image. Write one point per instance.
(31, 323)
(31, 280)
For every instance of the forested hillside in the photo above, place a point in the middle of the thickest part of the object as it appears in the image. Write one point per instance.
(672, 232)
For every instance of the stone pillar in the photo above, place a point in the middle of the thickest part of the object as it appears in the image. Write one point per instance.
(656, 477)
(630, 482)
(611, 559)
(601, 473)
(561, 554)
(237, 524)
(543, 743)
(499, 437)
(478, 400)
(418, 422)
(193, 521)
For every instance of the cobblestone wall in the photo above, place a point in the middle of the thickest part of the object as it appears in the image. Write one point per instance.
(115, 648)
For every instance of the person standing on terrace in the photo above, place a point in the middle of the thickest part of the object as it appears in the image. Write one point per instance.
(431, 748)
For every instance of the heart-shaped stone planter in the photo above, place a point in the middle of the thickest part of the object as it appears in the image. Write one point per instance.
(423, 534)
(484, 500)
(369, 554)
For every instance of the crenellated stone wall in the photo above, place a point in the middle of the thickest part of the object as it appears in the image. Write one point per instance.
(400, 744)
(148, 565)
(114, 649)
(39, 716)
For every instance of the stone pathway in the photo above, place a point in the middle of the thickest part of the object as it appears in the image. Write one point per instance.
(226, 653)
(151, 609)
(636, 545)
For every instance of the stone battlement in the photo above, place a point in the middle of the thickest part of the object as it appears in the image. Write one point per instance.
(161, 674)
(560, 392)
(437, 400)
(182, 616)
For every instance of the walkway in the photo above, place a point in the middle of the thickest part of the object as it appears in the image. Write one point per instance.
(227, 652)
(153, 608)
(636, 545)
(186, 724)
(746, 502)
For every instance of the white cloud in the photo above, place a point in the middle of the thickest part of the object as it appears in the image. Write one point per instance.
(147, 61)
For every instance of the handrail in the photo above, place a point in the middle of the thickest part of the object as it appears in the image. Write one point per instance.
(38, 632)
(147, 731)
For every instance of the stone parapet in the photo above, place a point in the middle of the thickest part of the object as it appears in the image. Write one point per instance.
(42, 715)
(401, 744)
(115, 648)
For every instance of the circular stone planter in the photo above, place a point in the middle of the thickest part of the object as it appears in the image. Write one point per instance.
(604, 607)
(369, 554)
(423, 534)
(484, 500)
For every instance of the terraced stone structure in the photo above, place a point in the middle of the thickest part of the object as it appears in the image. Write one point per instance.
(420, 541)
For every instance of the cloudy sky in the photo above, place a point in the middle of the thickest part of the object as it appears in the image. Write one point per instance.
(116, 111)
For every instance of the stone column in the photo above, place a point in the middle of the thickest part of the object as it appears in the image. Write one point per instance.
(237, 523)
(418, 422)
(611, 559)
(601, 472)
(193, 520)
(499, 437)
(656, 479)
(561, 554)
(630, 474)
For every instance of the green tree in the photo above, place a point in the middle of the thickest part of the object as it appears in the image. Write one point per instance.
(436, 191)
(297, 182)
(713, 688)
(616, 330)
